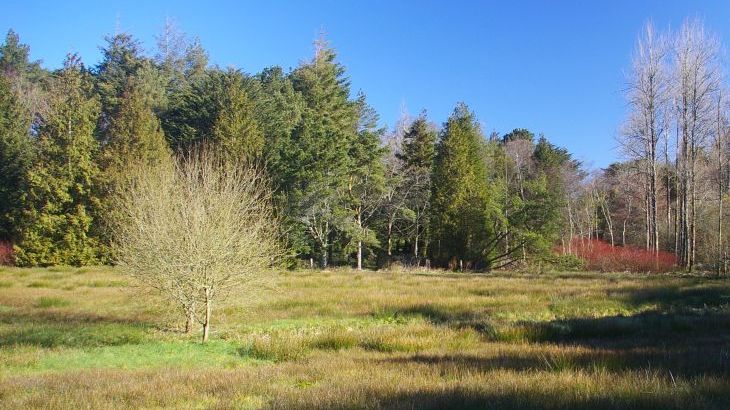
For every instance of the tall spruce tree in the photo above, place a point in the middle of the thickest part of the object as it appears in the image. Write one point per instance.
(16, 152)
(319, 153)
(59, 200)
(465, 215)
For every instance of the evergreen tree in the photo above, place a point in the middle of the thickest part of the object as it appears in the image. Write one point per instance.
(366, 180)
(465, 216)
(26, 79)
(236, 130)
(16, 151)
(59, 200)
(318, 154)
(216, 110)
(121, 60)
(15, 58)
(279, 111)
(135, 140)
(196, 61)
(135, 133)
(419, 149)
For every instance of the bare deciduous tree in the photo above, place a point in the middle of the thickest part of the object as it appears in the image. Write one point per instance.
(697, 79)
(648, 97)
(197, 231)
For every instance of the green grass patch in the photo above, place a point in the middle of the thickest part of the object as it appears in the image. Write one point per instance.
(45, 302)
(52, 335)
(180, 354)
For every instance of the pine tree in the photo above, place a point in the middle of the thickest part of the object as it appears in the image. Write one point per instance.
(464, 214)
(59, 200)
(16, 151)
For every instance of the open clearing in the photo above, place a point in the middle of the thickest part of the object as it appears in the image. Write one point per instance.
(77, 338)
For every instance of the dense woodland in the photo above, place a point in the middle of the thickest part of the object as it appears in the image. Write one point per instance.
(348, 191)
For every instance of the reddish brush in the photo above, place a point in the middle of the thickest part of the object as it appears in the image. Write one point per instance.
(6, 253)
(601, 256)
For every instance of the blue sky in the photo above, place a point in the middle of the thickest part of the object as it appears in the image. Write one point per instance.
(555, 67)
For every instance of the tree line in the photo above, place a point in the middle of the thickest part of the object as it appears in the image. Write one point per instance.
(346, 190)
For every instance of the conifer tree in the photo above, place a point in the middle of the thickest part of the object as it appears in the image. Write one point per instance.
(318, 153)
(121, 60)
(464, 215)
(366, 180)
(419, 149)
(216, 110)
(59, 200)
(236, 130)
(16, 152)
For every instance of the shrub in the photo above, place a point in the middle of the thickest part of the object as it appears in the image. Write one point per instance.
(562, 263)
(604, 257)
(6, 253)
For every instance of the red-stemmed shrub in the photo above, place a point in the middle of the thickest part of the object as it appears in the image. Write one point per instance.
(6, 253)
(602, 256)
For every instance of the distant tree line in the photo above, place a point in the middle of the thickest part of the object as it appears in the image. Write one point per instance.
(348, 191)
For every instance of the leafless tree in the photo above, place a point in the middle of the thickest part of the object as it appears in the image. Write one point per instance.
(648, 98)
(697, 78)
(198, 230)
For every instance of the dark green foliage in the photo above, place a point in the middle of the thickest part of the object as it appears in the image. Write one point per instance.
(216, 109)
(279, 111)
(339, 189)
(135, 133)
(366, 179)
(121, 59)
(518, 134)
(59, 199)
(465, 217)
(317, 155)
(419, 150)
(16, 152)
(14, 58)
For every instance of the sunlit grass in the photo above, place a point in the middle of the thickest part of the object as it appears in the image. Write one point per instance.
(89, 338)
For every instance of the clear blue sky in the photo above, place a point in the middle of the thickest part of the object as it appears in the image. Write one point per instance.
(555, 67)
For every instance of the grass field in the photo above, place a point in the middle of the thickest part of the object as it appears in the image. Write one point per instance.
(87, 338)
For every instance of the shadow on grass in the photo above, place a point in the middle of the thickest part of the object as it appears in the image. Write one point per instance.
(666, 363)
(673, 316)
(65, 329)
(518, 397)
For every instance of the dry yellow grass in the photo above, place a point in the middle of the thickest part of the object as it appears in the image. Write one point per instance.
(88, 338)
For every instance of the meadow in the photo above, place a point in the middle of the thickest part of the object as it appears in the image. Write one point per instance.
(89, 338)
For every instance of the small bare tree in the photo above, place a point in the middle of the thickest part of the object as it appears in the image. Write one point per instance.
(198, 231)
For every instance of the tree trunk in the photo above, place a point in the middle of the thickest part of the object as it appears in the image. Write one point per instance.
(206, 324)
(359, 242)
(359, 255)
(189, 322)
